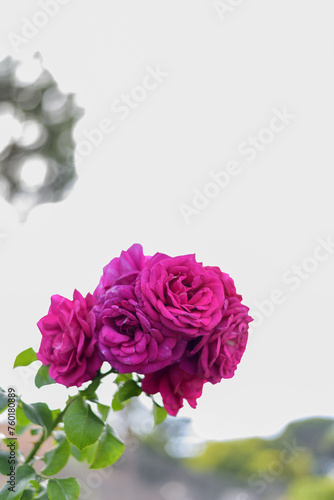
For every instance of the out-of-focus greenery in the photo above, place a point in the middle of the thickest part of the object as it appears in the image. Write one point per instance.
(36, 143)
(300, 461)
(298, 464)
(312, 488)
(246, 457)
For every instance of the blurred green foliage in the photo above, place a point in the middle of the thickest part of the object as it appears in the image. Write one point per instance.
(312, 488)
(253, 456)
(298, 462)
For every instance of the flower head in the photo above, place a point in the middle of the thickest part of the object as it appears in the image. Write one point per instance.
(122, 270)
(127, 338)
(179, 295)
(68, 342)
(174, 385)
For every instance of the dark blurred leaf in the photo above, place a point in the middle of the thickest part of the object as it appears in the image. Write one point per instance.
(3, 400)
(24, 474)
(4, 465)
(42, 494)
(28, 494)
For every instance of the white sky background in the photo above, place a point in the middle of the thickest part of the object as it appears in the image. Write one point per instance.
(225, 78)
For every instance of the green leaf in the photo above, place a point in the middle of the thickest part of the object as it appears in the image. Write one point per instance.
(92, 397)
(4, 465)
(25, 358)
(7, 440)
(86, 454)
(128, 390)
(22, 422)
(3, 400)
(159, 413)
(90, 452)
(109, 449)
(28, 494)
(78, 455)
(35, 431)
(21, 419)
(55, 413)
(123, 377)
(57, 458)
(103, 410)
(40, 414)
(90, 391)
(35, 484)
(10, 442)
(82, 426)
(24, 474)
(43, 377)
(42, 495)
(63, 489)
(4, 462)
(116, 404)
(20, 429)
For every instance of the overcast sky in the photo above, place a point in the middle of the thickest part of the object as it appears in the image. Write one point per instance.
(216, 138)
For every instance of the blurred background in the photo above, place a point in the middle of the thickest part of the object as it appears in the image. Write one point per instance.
(37, 146)
(114, 122)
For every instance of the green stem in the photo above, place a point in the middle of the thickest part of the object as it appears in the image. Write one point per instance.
(45, 435)
(95, 384)
(112, 370)
(36, 447)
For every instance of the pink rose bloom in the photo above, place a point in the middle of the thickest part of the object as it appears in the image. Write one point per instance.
(179, 295)
(227, 282)
(174, 385)
(122, 270)
(172, 319)
(127, 339)
(218, 355)
(68, 344)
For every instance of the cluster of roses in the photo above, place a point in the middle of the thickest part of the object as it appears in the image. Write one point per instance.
(171, 319)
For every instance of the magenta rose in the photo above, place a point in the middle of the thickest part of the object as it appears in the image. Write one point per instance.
(127, 338)
(174, 385)
(122, 270)
(217, 355)
(68, 343)
(172, 319)
(179, 295)
(227, 282)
